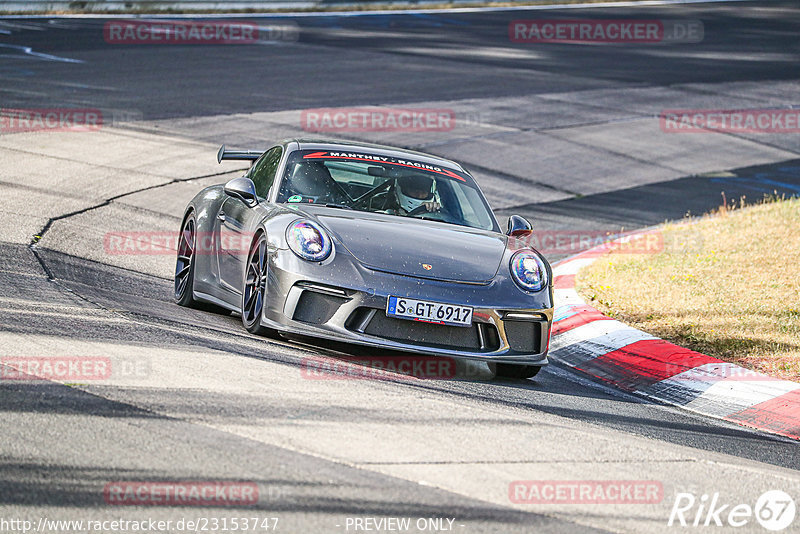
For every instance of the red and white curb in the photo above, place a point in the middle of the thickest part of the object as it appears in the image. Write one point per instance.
(632, 360)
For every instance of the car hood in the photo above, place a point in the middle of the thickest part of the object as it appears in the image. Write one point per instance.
(406, 246)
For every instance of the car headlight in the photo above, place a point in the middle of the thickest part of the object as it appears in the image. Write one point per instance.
(528, 270)
(308, 240)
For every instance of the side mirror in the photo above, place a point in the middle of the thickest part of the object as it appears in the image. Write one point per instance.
(518, 225)
(243, 189)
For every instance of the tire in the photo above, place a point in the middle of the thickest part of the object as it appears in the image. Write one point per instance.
(184, 264)
(254, 288)
(510, 370)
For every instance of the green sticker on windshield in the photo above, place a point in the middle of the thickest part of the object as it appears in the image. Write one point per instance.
(295, 198)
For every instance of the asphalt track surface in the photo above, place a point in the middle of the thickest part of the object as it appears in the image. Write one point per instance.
(62, 443)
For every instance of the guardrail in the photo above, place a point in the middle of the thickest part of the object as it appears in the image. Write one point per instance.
(221, 6)
(111, 6)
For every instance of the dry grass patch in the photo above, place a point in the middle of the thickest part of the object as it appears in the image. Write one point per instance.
(727, 286)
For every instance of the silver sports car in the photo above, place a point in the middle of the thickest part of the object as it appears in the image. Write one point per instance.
(371, 245)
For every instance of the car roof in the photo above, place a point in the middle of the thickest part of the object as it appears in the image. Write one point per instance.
(330, 144)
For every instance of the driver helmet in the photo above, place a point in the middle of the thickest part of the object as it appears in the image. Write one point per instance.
(413, 191)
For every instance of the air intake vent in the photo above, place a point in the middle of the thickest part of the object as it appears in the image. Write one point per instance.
(524, 336)
(316, 308)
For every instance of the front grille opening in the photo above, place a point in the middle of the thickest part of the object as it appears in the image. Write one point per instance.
(316, 308)
(480, 337)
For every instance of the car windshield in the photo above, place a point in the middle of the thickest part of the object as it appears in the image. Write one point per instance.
(384, 184)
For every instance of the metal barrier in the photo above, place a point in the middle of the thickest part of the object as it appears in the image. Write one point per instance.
(111, 6)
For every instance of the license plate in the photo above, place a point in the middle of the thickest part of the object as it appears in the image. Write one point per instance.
(429, 312)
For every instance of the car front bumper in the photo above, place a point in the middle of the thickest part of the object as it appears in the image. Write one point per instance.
(346, 302)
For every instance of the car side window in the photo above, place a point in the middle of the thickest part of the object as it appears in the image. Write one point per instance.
(263, 174)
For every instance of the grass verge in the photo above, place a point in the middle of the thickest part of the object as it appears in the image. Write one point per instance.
(727, 285)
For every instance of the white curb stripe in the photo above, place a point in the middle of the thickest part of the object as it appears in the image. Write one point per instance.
(728, 397)
(572, 266)
(685, 387)
(595, 339)
(565, 297)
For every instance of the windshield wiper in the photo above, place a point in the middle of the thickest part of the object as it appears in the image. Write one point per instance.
(340, 206)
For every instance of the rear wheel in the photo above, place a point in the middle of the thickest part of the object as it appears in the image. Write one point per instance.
(184, 266)
(255, 287)
(509, 370)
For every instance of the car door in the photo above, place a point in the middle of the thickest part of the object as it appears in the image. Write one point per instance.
(233, 218)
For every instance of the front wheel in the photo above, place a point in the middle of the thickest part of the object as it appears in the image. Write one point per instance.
(509, 370)
(184, 266)
(255, 287)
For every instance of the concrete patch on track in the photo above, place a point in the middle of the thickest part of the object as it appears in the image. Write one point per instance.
(119, 235)
(652, 100)
(543, 158)
(50, 175)
(643, 140)
(251, 128)
(137, 231)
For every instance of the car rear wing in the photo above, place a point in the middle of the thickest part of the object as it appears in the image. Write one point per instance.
(250, 155)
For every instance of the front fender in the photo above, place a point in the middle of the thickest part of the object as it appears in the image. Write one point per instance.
(205, 205)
